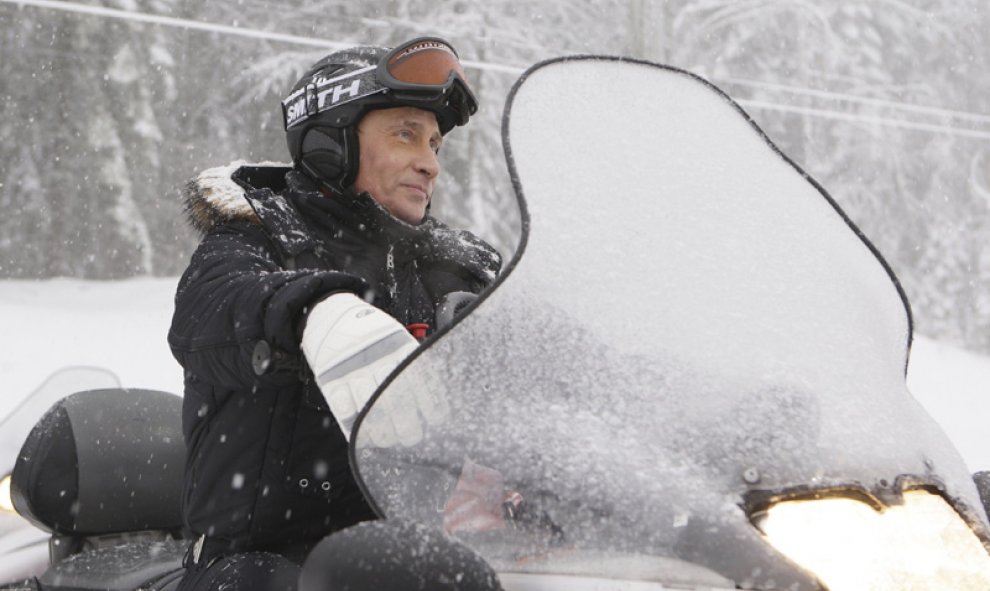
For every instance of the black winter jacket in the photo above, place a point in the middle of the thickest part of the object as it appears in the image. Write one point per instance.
(266, 462)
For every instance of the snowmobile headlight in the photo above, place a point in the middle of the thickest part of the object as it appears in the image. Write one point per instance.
(6, 503)
(848, 544)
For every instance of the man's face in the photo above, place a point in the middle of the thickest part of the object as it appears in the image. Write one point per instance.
(398, 162)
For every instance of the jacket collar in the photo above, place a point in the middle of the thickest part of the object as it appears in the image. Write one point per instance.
(347, 210)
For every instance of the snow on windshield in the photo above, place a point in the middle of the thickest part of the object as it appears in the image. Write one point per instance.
(721, 248)
(691, 321)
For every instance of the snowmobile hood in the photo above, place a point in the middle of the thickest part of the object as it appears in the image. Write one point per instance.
(648, 378)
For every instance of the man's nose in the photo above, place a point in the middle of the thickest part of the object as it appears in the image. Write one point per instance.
(428, 163)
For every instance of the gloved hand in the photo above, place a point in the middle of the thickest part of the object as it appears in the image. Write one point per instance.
(352, 347)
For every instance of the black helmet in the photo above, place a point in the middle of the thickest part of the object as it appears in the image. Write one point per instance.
(323, 108)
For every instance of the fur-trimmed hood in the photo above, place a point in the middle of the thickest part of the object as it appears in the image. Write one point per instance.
(214, 196)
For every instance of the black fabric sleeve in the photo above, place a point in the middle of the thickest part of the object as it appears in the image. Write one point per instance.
(234, 294)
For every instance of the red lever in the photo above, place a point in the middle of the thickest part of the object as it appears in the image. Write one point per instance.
(418, 330)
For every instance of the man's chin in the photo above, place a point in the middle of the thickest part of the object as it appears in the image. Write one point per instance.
(413, 218)
(413, 212)
(410, 209)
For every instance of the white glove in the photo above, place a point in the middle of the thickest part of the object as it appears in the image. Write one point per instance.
(352, 347)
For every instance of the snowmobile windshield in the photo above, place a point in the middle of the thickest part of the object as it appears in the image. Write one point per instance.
(18, 416)
(691, 328)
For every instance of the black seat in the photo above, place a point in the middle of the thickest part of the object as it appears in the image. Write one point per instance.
(102, 471)
(141, 565)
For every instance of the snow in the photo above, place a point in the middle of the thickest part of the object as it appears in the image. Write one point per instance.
(702, 329)
(953, 385)
(122, 326)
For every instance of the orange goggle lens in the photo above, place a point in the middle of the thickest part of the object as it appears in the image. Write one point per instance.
(428, 63)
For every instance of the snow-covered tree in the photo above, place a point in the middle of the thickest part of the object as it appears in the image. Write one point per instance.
(105, 118)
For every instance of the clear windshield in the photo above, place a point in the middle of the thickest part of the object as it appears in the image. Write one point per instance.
(690, 321)
(18, 419)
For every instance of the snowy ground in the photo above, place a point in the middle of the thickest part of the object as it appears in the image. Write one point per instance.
(122, 325)
(954, 385)
(119, 325)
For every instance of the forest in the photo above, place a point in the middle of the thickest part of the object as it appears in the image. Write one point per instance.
(108, 107)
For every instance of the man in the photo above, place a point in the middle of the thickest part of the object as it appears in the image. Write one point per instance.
(295, 304)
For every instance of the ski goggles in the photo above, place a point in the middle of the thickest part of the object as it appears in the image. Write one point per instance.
(428, 70)
(423, 73)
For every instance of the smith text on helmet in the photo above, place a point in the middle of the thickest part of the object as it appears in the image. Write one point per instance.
(324, 93)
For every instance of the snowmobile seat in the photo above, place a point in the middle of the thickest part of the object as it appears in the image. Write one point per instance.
(149, 566)
(102, 471)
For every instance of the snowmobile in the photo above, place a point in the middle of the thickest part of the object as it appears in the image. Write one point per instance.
(23, 547)
(691, 375)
